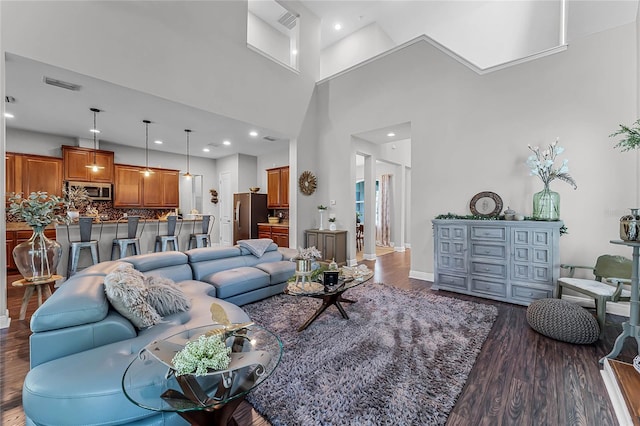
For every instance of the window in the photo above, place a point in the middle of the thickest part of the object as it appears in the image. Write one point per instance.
(273, 31)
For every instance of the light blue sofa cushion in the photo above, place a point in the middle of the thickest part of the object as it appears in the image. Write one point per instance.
(170, 264)
(237, 281)
(211, 253)
(79, 300)
(279, 271)
(208, 267)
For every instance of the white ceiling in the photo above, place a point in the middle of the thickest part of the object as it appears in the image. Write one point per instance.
(48, 109)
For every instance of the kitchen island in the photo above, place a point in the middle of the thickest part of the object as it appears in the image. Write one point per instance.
(105, 232)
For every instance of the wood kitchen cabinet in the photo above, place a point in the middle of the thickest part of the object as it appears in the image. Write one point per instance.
(28, 173)
(76, 160)
(278, 233)
(133, 189)
(278, 188)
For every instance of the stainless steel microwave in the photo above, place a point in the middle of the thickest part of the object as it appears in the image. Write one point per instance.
(97, 191)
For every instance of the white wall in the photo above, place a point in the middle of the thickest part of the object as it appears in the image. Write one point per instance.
(277, 158)
(193, 52)
(247, 172)
(353, 49)
(27, 142)
(266, 38)
(470, 134)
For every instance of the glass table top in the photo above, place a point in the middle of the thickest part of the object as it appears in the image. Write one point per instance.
(349, 277)
(149, 383)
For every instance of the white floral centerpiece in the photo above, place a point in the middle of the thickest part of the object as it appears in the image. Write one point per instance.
(304, 258)
(546, 203)
(200, 356)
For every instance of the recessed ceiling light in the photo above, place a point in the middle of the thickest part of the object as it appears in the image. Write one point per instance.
(226, 143)
(159, 142)
(337, 26)
(8, 115)
(391, 134)
(206, 149)
(253, 133)
(94, 130)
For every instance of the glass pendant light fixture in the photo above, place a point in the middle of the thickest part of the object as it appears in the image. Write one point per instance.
(187, 175)
(94, 167)
(147, 171)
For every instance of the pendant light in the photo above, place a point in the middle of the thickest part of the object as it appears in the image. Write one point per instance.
(147, 172)
(94, 167)
(187, 175)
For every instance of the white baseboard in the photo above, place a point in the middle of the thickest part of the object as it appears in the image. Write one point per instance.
(399, 249)
(617, 308)
(408, 245)
(369, 256)
(424, 276)
(5, 320)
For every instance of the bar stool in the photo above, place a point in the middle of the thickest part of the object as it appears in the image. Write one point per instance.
(75, 247)
(171, 237)
(132, 240)
(202, 239)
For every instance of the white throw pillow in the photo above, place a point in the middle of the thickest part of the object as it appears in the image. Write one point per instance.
(127, 292)
(166, 296)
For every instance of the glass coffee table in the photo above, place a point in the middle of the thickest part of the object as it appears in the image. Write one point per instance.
(348, 279)
(203, 400)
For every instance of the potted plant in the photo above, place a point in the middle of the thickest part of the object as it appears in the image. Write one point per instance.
(77, 197)
(199, 356)
(631, 136)
(305, 257)
(37, 258)
(332, 223)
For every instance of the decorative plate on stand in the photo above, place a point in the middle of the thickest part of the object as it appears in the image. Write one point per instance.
(486, 203)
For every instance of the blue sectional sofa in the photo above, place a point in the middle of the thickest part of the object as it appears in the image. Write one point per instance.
(81, 346)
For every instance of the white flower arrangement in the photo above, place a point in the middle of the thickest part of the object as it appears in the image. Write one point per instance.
(542, 165)
(308, 253)
(198, 356)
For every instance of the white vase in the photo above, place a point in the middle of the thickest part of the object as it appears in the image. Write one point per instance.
(73, 215)
(321, 227)
(332, 226)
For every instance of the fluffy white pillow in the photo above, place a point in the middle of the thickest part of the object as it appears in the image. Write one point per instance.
(127, 292)
(166, 296)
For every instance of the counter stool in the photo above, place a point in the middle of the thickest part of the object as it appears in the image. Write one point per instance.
(132, 240)
(75, 247)
(171, 237)
(202, 239)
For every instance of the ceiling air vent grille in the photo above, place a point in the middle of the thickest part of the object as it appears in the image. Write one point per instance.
(269, 138)
(288, 19)
(60, 83)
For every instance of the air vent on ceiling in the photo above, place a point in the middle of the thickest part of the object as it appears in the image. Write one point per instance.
(62, 84)
(288, 19)
(269, 138)
(10, 99)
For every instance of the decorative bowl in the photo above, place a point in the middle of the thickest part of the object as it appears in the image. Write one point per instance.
(274, 219)
(254, 189)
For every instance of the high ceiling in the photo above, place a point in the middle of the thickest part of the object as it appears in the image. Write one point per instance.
(44, 108)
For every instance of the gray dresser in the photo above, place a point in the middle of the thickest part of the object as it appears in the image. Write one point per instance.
(511, 261)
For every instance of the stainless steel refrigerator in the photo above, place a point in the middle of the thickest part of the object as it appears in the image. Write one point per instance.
(249, 209)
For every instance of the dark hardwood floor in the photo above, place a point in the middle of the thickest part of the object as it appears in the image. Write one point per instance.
(520, 377)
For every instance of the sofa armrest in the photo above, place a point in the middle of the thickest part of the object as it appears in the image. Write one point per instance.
(48, 345)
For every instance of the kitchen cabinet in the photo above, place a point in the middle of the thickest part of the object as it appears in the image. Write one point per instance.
(76, 159)
(331, 244)
(511, 261)
(15, 237)
(133, 189)
(278, 188)
(161, 189)
(278, 233)
(28, 173)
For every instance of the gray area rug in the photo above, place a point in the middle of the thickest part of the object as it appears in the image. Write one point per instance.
(402, 358)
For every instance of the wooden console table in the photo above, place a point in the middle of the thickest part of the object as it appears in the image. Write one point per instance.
(29, 286)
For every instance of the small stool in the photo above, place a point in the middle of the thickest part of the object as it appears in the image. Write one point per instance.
(563, 320)
(132, 240)
(171, 237)
(303, 278)
(29, 286)
(202, 239)
(75, 247)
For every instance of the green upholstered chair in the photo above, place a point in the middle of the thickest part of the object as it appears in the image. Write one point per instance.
(611, 273)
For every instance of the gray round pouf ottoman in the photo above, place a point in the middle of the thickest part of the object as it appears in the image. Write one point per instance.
(562, 320)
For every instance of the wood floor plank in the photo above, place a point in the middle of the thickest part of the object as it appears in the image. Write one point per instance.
(519, 378)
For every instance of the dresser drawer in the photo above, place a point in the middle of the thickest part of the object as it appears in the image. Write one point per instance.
(491, 288)
(491, 269)
(489, 250)
(445, 280)
(529, 294)
(489, 233)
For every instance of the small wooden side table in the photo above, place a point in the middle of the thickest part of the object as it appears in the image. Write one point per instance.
(29, 286)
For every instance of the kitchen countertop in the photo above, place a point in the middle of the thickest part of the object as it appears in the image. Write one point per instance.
(283, 224)
(22, 226)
